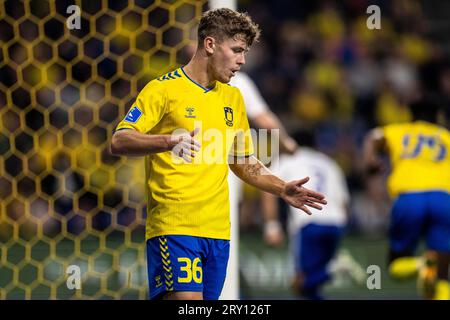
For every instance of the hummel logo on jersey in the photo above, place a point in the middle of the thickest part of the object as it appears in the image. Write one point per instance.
(133, 115)
(190, 113)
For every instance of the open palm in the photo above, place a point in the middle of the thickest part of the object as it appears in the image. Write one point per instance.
(300, 197)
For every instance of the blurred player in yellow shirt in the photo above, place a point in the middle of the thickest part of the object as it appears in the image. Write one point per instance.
(420, 184)
(191, 126)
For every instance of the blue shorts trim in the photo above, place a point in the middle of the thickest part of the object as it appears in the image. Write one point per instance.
(186, 263)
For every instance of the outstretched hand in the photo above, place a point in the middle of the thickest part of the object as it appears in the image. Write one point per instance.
(300, 197)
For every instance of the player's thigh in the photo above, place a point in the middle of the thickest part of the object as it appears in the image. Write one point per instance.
(312, 253)
(331, 237)
(174, 265)
(408, 218)
(323, 240)
(438, 233)
(215, 268)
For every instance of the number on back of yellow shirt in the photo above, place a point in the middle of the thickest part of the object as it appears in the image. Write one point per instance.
(192, 269)
(415, 146)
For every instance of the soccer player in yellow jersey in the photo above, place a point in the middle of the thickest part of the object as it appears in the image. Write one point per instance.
(420, 184)
(188, 226)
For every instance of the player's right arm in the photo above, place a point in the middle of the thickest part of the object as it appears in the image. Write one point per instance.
(134, 143)
(133, 134)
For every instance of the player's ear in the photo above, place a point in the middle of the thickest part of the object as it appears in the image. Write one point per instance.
(210, 45)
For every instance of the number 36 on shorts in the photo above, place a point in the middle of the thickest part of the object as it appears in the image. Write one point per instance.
(192, 270)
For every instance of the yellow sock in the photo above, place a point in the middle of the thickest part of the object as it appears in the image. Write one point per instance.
(404, 267)
(442, 290)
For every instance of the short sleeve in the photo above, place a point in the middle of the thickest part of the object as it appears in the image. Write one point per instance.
(147, 110)
(386, 130)
(392, 134)
(254, 102)
(243, 144)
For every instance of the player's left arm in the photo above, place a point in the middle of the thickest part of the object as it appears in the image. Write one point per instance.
(374, 143)
(253, 172)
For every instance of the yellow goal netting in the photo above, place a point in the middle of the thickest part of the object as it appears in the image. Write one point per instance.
(65, 201)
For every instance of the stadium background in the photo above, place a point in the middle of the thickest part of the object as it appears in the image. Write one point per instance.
(66, 201)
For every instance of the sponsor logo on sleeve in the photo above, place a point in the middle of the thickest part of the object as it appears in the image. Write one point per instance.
(133, 115)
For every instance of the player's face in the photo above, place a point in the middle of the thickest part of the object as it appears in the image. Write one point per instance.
(227, 58)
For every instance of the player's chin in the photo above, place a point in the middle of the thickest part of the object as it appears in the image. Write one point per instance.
(225, 79)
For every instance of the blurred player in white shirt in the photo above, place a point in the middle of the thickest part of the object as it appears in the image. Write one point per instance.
(260, 116)
(313, 239)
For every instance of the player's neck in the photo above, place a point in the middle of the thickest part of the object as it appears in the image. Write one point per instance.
(197, 70)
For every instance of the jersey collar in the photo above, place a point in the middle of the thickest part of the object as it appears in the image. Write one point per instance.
(198, 85)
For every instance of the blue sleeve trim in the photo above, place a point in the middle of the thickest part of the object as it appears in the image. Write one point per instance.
(115, 130)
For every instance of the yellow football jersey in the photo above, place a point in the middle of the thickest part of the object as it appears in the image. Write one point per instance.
(190, 198)
(419, 154)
